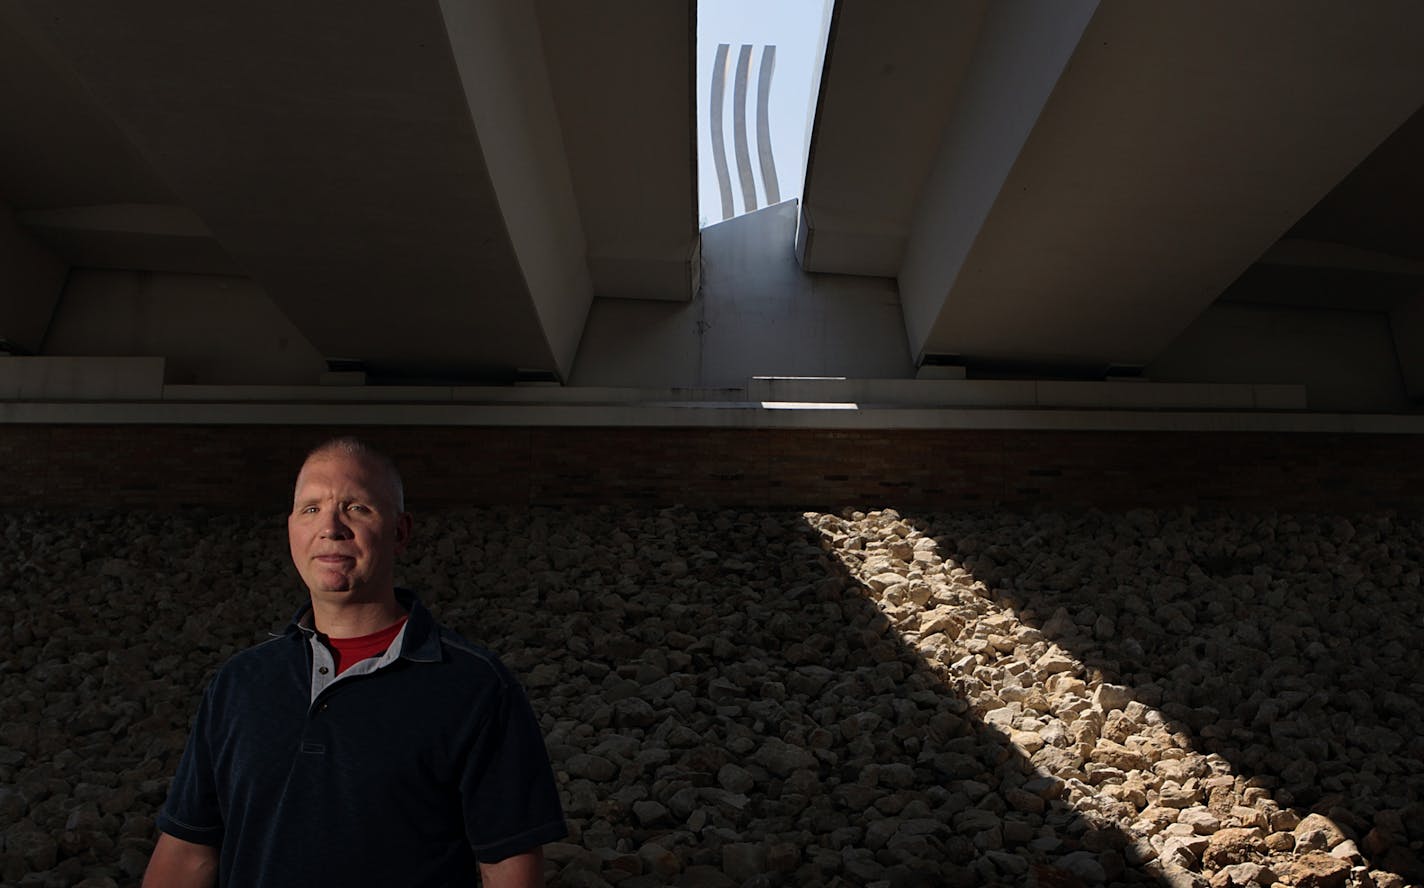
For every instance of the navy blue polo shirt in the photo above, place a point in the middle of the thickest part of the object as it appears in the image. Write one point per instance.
(406, 770)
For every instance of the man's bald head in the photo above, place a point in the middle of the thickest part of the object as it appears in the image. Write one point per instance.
(355, 448)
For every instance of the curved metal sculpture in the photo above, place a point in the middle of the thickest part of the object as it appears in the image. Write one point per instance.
(768, 163)
(739, 129)
(719, 148)
(740, 144)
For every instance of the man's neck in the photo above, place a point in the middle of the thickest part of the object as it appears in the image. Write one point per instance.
(352, 619)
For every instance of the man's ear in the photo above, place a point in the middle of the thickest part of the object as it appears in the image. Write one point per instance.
(404, 524)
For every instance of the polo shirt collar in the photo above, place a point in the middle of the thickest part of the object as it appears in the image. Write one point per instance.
(421, 641)
(420, 638)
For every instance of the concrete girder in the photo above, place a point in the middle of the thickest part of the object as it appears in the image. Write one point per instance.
(1072, 242)
(631, 136)
(393, 176)
(1406, 322)
(147, 237)
(58, 147)
(1019, 58)
(892, 71)
(499, 52)
(31, 280)
(1352, 212)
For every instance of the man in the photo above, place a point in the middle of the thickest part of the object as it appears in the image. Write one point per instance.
(366, 745)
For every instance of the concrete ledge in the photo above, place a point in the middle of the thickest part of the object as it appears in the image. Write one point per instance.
(693, 415)
(122, 391)
(395, 394)
(121, 380)
(80, 379)
(1116, 395)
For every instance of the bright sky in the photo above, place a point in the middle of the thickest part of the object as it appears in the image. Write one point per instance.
(797, 28)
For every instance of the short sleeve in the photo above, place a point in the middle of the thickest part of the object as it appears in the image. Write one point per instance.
(510, 799)
(191, 812)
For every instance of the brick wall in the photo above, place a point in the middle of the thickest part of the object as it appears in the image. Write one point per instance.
(247, 466)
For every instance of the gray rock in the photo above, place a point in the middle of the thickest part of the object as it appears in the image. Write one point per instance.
(1084, 865)
(734, 778)
(591, 767)
(743, 860)
(650, 813)
(781, 758)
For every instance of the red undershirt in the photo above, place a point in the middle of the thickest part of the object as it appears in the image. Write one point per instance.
(349, 651)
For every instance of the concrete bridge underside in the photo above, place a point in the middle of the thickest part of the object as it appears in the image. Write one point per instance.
(466, 192)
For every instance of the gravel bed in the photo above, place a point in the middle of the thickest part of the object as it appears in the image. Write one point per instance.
(760, 699)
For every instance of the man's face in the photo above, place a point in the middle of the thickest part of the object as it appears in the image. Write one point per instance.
(345, 529)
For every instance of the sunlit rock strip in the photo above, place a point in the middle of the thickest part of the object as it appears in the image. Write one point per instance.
(1183, 814)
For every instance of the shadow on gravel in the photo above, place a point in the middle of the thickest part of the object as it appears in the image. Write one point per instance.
(724, 702)
(111, 624)
(1287, 645)
(729, 708)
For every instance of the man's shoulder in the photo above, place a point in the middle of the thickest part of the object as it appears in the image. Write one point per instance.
(477, 659)
(266, 656)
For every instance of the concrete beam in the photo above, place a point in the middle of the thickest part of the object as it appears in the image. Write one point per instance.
(1020, 56)
(31, 281)
(630, 134)
(1406, 323)
(499, 54)
(1083, 245)
(388, 175)
(892, 71)
(81, 379)
(211, 329)
(1302, 253)
(58, 147)
(148, 237)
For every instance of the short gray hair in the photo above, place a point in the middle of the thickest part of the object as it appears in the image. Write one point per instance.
(347, 445)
